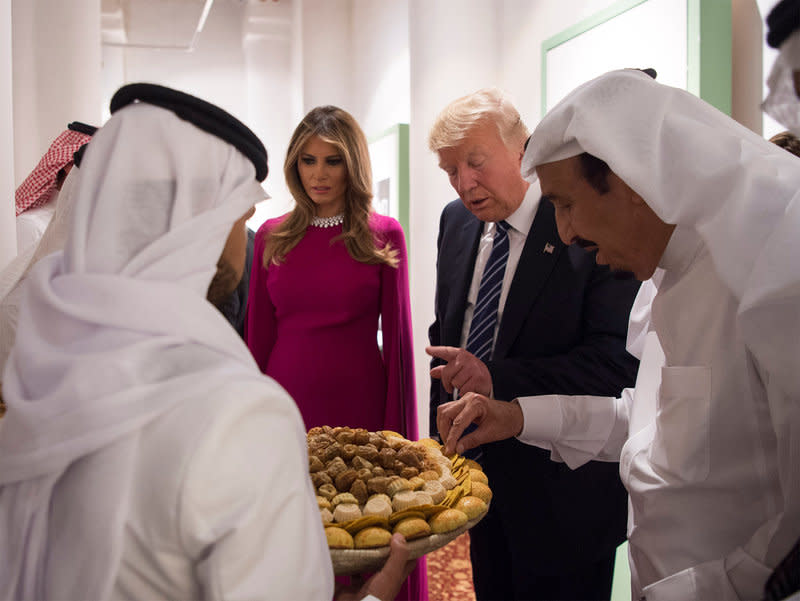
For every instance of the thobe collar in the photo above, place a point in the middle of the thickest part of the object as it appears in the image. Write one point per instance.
(683, 246)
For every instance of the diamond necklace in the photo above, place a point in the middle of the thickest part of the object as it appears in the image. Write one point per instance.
(327, 221)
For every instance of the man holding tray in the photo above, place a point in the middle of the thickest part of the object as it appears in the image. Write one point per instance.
(143, 454)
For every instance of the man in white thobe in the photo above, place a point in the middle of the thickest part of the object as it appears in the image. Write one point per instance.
(143, 454)
(651, 177)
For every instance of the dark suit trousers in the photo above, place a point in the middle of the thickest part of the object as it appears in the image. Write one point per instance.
(496, 578)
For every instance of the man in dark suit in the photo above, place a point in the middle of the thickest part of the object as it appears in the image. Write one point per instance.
(559, 326)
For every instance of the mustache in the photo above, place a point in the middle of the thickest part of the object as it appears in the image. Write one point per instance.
(583, 242)
(618, 274)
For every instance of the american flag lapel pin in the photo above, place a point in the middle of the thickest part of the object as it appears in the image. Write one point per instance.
(549, 248)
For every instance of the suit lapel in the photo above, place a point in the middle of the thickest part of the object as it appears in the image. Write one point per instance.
(539, 256)
(461, 264)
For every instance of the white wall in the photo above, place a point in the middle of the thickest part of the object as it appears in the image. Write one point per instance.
(327, 53)
(268, 79)
(214, 71)
(454, 46)
(524, 26)
(747, 39)
(8, 231)
(56, 73)
(380, 64)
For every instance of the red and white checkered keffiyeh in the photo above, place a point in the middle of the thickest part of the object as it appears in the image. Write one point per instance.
(38, 187)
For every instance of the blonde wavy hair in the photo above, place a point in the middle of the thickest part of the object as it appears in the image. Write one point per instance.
(486, 105)
(338, 127)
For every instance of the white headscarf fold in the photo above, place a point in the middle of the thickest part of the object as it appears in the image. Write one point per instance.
(114, 331)
(14, 274)
(698, 168)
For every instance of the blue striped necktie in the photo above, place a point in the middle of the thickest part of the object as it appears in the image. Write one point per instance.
(484, 318)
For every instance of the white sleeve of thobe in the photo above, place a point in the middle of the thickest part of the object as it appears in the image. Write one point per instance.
(576, 429)
(249, 513)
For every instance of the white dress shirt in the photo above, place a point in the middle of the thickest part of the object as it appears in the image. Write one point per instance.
(520, 221)
(712, 507)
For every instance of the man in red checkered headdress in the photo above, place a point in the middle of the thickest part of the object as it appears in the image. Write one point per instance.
(33, 198)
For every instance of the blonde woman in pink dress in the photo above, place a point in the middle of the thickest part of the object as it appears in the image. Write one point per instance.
(323, 277)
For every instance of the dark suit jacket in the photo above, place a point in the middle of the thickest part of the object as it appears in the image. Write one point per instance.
(563, 331)
(235, 306)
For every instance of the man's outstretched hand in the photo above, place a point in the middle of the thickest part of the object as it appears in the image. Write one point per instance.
(496, 420)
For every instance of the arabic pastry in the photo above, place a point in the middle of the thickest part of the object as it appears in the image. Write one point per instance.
(435, 489)
(328, 491)
(359, 490)
(345, 479)
(378, 505)
(478, 476)
(482, 491)
(397, 485)
(369, 538)
(404, 499)
(413, 528)
(338, 538)
(416, 483)
(344, 512)
(447, 520)
(344, 497)
(472, 506)
(323, 502)
(326, 515)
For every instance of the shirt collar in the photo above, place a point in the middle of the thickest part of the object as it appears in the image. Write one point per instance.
(522, 219)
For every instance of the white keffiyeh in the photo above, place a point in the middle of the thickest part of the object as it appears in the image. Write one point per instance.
(16, 272)
(115, 330)
(698, 168)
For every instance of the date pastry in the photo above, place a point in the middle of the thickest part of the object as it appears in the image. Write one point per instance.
(326, 515)
(328, 491)
(359, 490)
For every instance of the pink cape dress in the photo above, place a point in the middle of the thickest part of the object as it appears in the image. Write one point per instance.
(312, 325)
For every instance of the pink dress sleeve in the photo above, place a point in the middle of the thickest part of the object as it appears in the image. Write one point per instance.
(260, 325)
(401, 400)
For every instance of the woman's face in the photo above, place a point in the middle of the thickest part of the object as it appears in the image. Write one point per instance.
(324, 176)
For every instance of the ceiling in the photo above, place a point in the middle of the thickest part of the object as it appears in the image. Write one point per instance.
(156, 23)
